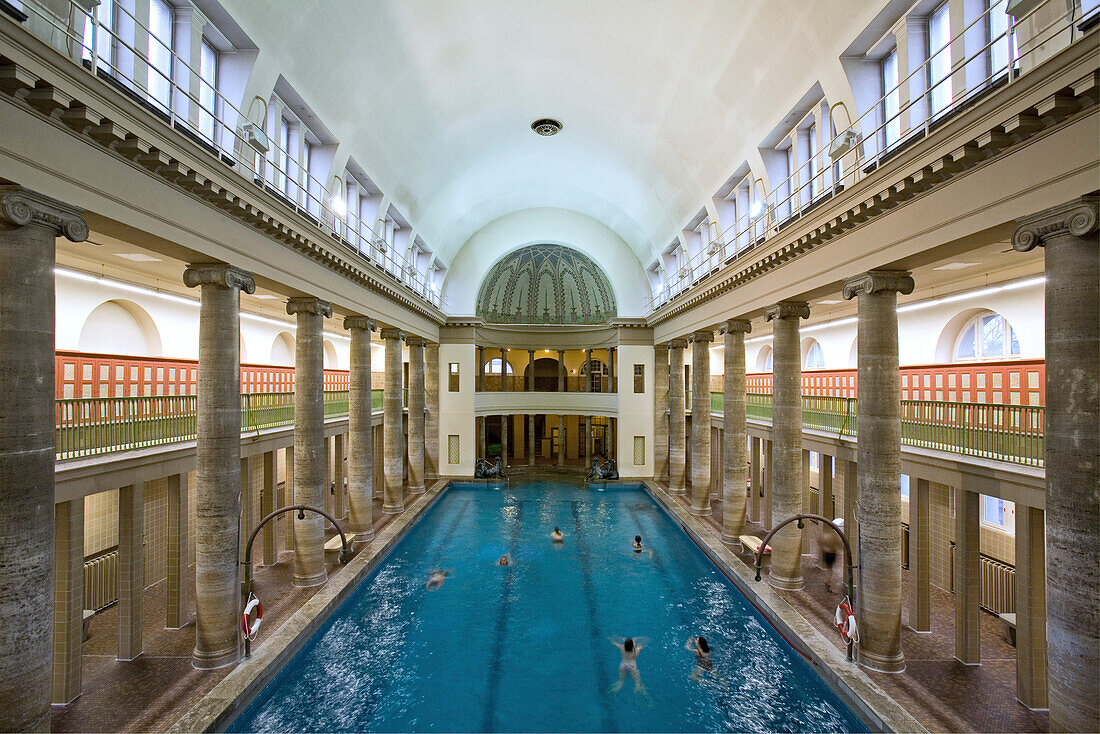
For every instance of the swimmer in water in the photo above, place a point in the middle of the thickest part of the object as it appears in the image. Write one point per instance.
(557, 536)
(436, 579)
(637, 544)
(630, 647)
(703, 664)
(504, 560)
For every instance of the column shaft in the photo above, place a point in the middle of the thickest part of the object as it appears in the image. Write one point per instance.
(393, 435)
(920, 555)
(310, 456)
(588, 442)
(504, 370)
(267, 506)
(531, 438)
(29, 224)
(68, 600)
(660, 413)
(1031, 608)
(700, 423)
(587, 370)
(1068, 234)
(825, 479)
(561, 439)
(286, 497)
(360, 432)
(431, 408)
(786, 569)
(677, 419)
(851, 507)
(338, 448)
(561, 371)
(218, 463)
(131, 571)
(416, 415)
(177, 584)
(504, 440)
(967, 576)
(756, 469)
(769, 482)
(735, 434)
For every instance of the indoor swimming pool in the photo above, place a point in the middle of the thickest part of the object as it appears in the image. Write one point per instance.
(525, 647)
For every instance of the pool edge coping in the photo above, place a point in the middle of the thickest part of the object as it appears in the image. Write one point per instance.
(230, 696)
(871, 704)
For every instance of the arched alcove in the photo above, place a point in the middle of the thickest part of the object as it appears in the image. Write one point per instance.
(331, 359)
(547, 371)
(764, 359)
(988, 335)
(813, 356)
(120, 327)
(282, 350)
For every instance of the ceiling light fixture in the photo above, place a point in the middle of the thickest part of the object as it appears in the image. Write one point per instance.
(760, 207)
(954, 266)
(138, 257)
(336, 200)
(546, 126)
(844, 141)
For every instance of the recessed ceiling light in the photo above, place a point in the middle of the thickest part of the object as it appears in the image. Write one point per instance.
(138, 257)
(954, 266)
(828, 302)
(265, 297)
(546, 126)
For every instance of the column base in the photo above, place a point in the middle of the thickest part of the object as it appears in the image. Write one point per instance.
(784, 584)
(882, 664)
(393, 509)
(201, 660)
(315, 579)
(415, 490)
(700, 511)
(730, 539)
(677, 490)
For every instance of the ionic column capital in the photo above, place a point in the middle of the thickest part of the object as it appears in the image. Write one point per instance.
(1077, 217)
(787, 310)
(219, 275)
(414, 341)
(733, 326)
(393, 334)
(701, 336)
(878, 281)
(677, 344)
(309, 304)
(20, 207)
(364, 323)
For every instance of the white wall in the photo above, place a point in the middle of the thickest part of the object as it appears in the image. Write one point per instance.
(545, 226)
(635, 410)
(456, 409)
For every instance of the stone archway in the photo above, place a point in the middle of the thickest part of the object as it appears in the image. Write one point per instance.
(547, 371)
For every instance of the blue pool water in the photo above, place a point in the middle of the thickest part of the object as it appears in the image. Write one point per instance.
(525, 647)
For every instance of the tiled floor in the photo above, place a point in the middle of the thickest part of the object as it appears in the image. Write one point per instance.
(940, 692)
(153, 691)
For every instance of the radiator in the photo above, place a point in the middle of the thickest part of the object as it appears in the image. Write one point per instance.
(101, 581)
(998, 586)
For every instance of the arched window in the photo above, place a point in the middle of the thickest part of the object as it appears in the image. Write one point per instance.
(764, 360)
(813, 358)
(492, 367)
(120, 327)
(987, 335)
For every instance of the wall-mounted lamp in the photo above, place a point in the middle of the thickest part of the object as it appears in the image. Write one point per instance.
(255, 133)
(380, 235)
(337, 200)
(761, 207)
(844, 141)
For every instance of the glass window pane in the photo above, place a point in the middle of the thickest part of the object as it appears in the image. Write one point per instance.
(939, 36)
(208, 73)
(768, 362)
(160, 53)
(993, 333)
(905, 486)
(967, 347)
(892, 100)
(1015, 343)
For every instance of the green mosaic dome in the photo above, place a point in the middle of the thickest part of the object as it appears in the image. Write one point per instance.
(546, 284)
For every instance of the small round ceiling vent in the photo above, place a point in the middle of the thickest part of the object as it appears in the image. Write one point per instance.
(546, 126)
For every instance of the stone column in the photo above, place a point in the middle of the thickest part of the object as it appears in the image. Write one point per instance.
(588, 442)
(177, 586)
(968, 578)
(825, 479)
(431, 411)
(677, 418)
(879, 456)
(286, 497)
(29, 224)
(310, 456)
(267, 505)
(131, 569)
(503, 370)
(416, 414)
(786, 571)
(360, 433)
(218, 462)
(1069, 237)
(68, 600)
(561, 439)
(769, 476)
(504, 440)
(735, 433)
(587, 370)
(660, 412)
(1031, 633)
(561, 370)
(245, 521)
(851, 508)
(756, 470)
(920, 555)
(700, 422)
(530, 370)
(480, 369)
(482, 441)
(530, 439)
(339, 475)
(393, 435)
(611, 370)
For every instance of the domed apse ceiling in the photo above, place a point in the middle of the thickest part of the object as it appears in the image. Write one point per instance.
(546, 284)
(660, 101)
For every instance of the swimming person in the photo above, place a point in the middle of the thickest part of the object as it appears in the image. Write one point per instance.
(557, 536)
(436, 579)
(630, 647)
(504, 560)
(637, 545)
(699, 646)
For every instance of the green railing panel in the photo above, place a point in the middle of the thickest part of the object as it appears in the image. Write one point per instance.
(375, 400)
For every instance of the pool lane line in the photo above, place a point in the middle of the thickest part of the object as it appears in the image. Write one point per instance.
(596, 639)
(502, 620)
(662, 570)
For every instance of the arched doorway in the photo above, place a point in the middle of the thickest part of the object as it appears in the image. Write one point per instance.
(546, 374)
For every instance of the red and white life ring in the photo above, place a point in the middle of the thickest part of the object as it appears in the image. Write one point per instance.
(845, 620)
(252, 626)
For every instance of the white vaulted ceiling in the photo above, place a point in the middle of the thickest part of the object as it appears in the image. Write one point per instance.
(661, 99)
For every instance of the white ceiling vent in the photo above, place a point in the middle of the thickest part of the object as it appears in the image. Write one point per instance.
(546, 126)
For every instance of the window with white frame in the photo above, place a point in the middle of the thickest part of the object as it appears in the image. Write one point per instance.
(905, 486)
(97, 35)
(208, 93)
(891, 101)
(987, 335)
(159, 87)
(279, 157)
(815, 163)
(764, 360)
(815, 357)
(786, 205)
(998, 513)
(1000, 40)
(311, 178)
(492, 367)
(939, 66)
